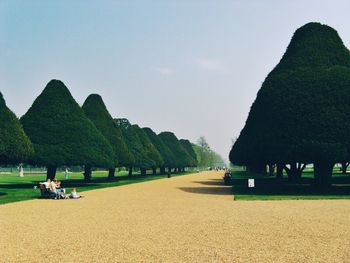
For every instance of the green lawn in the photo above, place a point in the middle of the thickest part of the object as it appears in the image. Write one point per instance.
(14, 188)
(268, 188)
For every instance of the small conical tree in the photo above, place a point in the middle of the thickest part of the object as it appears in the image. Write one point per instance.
(151, 151)
(15, 145)
(301, 113)
(167, 155)
(96, 111)
(131, 134)
(186, 144)
(61, 133)
(180, 154)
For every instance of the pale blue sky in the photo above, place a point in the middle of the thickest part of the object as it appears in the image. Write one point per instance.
(191, 67)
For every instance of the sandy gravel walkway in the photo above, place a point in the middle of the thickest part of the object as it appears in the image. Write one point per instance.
(182, 219)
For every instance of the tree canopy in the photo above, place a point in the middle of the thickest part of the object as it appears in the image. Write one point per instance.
(142, 158)
(96, 111)
(15, 145)
(61, 133)
(301, 113)
(186, 144)
(182, 158)
(165, 152)
(151, 151)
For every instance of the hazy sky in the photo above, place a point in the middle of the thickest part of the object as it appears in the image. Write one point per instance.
(191, 67)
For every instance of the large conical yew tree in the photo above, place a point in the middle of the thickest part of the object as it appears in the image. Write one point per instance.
(15, 145)
(151, 151)
(141, 159)
(61, 133)
(182, 158)
(186, 144)
(302, 111)
(165, 152)
(96, 111)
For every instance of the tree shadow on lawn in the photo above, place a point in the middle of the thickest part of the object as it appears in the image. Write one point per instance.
(305, 187)
(31, 185)
(67, 183)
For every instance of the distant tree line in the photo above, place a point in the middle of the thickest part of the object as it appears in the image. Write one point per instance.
(57, 132)
(302, 112)
(206, 156)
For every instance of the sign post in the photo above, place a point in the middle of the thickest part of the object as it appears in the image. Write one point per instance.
(251, 183)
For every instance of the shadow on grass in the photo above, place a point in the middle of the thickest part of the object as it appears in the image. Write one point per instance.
(79, 182)
(272, 187)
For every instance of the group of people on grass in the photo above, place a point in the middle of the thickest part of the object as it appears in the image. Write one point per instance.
(55, 190)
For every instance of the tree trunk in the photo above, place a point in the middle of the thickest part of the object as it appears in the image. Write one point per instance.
(87, 172)
(295, 171)
(323, 174)
(154, 171)
(257, 168)
(280, 171)
(130, 171)
(169, 170)
(162, 170)
(344, 167)
(143, 171)
(51, 172)
(111, 173)
(271, 169)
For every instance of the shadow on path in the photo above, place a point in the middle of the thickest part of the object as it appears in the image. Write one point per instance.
(213, 187)
(217, 183)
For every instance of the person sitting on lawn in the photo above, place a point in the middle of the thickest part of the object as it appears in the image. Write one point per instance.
(53, 189)
(74, 194)
(47, 183)
(60, 190)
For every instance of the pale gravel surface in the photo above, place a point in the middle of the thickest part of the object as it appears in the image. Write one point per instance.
(189, 218)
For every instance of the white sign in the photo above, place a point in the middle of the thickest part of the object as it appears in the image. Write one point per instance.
(251, 183)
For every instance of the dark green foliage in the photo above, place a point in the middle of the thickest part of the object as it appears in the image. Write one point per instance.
(61, 133)
(182, 158)
(131, 133)
(314, 45)
(188, 147)
(167, 155)
(151, 151)
(15, 146)
(97, 112)
(302, 112)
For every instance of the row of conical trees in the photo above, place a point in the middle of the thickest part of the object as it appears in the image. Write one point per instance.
(58, 132)
(302, 112)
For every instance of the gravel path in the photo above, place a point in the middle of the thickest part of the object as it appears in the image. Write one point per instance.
(189, 218)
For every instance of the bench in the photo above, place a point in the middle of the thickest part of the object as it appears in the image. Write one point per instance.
(45, 192)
